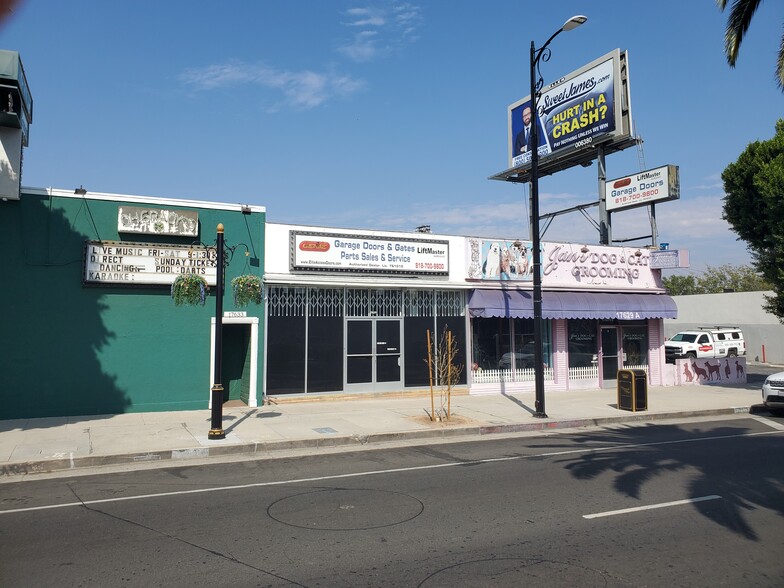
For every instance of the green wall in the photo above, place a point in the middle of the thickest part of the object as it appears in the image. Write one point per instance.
(70, 349)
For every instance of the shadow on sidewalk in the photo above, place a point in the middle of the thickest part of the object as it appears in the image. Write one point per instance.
(518, 402)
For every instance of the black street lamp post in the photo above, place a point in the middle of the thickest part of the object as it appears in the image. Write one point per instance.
(536, 85)
(216, 424)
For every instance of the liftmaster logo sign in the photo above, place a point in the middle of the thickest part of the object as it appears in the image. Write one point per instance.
(368, 254)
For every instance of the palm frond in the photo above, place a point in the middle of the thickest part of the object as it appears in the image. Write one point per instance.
(780, 65)
(741, 13)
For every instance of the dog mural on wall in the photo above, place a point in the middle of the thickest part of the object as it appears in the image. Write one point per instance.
(687, 373)
(699, 372)
(713, 369)
(696, 372)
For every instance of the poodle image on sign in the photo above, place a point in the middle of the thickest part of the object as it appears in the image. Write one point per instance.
(492, 265)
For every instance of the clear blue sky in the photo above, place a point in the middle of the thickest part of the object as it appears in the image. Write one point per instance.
(383, 115)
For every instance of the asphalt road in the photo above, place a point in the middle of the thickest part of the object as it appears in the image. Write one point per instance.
(697, 504)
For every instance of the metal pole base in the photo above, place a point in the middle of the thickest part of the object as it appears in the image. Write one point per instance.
(216, 422)
(540, 415)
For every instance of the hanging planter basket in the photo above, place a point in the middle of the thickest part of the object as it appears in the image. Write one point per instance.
(247, 289)
(189, 289)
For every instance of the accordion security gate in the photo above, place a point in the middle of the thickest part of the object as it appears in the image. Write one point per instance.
(322, 340)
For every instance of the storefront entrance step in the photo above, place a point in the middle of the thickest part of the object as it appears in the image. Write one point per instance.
(327, 397)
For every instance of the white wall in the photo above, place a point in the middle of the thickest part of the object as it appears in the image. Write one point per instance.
(10, 162)
(736, 309)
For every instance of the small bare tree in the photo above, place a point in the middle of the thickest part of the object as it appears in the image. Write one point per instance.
(444, 373)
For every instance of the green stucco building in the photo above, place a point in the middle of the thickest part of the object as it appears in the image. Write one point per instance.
(87, 321)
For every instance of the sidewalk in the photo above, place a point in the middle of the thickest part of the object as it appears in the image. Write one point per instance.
(53, 444)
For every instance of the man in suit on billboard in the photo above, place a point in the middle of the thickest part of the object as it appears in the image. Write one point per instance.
(523, 138)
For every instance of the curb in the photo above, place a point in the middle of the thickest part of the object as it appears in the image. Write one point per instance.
(9, 470)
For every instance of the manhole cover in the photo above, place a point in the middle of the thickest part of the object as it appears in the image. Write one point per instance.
(345, 509)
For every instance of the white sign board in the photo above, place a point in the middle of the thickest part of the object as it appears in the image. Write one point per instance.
(669, 259)
(114, 262)
(357, 253)
(643, 188)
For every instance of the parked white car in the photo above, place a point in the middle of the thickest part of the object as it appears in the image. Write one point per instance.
(773, 393)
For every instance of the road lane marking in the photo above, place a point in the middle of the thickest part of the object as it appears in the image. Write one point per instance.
(772, 424)
(611, 513)
(380, 472)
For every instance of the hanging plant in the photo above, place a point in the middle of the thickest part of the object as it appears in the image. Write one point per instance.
(189, 289)
(247, 289)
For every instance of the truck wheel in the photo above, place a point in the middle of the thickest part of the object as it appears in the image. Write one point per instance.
(732, 353)
(691, 355)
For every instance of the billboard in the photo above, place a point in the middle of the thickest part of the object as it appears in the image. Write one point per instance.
(587, 107)
(647, 187)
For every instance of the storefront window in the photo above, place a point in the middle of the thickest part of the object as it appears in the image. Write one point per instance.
(507, 344)
(635, 346)
(490, 341)
(583, 344)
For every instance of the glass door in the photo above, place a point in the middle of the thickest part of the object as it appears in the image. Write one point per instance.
(609, 354)
(373, 354)
(388, 350)
(359, 352)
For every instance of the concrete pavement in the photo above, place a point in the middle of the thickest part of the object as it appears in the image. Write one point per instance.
(31, 446)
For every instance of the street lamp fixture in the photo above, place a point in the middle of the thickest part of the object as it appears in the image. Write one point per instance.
(536, 85)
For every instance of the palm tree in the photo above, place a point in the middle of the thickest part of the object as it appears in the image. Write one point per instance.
(741, 13)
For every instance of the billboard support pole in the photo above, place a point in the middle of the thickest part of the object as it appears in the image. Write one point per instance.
(654, 227)
(605, 225)
(536, 85)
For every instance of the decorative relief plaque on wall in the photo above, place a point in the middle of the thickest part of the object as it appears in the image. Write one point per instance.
(157, 221)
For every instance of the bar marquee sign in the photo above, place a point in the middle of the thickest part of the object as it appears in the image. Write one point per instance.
(115, 262)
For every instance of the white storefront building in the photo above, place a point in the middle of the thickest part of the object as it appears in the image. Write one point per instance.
(349, 311)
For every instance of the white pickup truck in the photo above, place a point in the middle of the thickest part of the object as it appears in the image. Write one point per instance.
(705, 343)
